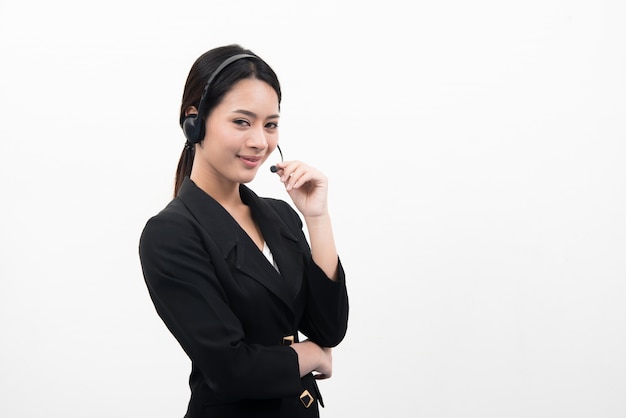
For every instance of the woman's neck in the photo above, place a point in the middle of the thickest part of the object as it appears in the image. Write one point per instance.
(223, 191)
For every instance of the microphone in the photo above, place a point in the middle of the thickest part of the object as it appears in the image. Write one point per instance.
(273, 168)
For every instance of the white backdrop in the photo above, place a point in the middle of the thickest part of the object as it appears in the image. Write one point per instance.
(476, 156)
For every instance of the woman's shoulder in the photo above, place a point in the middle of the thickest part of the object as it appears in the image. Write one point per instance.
(172, 219)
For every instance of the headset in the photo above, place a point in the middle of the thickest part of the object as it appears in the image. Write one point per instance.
(193, 124)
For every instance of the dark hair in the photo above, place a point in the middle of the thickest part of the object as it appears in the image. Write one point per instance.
(198, 76)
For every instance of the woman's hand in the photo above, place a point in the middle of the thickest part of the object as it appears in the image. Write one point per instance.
(307, 187)
(313, 358)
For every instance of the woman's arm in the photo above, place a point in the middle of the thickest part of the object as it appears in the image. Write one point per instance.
(326, 316)
(308, 188)
(323, 248)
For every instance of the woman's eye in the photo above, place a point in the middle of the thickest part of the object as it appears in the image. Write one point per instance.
(272, 125)
(242, 122)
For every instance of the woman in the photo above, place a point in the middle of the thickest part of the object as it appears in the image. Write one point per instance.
(231, 274)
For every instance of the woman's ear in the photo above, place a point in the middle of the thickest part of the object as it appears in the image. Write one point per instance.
(191, 110)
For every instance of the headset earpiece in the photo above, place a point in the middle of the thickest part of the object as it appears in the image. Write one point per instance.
(193, 128)
(193, 124)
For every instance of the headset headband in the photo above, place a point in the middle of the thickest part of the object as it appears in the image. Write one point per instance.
(219, 69)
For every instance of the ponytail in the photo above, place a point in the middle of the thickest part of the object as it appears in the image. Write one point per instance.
(184, 166)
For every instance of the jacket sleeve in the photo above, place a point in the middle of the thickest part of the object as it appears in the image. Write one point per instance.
(325, 319)
(184, 287)
(326, 316)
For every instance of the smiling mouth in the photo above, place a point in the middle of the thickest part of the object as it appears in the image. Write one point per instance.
(250, 161)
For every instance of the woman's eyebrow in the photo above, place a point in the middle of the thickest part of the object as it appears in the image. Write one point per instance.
(254, 115)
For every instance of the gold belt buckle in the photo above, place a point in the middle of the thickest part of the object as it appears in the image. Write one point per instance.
(306, 398)
(288, 340)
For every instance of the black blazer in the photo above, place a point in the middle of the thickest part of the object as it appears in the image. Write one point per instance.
(232, 311)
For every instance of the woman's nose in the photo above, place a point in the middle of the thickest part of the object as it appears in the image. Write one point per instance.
(258, 139)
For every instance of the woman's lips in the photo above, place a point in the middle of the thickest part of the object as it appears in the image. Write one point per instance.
(251, 162)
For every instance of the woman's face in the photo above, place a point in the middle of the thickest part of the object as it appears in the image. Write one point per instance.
(241, 132)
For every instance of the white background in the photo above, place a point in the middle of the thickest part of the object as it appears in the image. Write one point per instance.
(476, 152)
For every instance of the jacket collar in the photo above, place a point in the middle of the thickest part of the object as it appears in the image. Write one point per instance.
(236, 246)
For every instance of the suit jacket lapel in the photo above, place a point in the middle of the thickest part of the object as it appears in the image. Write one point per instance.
(282, 242)
(237, 247)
